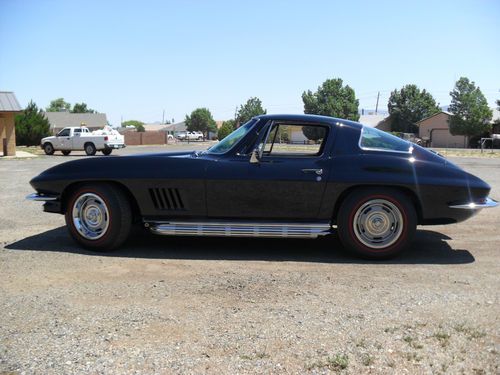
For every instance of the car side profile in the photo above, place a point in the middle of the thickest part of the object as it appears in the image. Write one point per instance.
(295, 176)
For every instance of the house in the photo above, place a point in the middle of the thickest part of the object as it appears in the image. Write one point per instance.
(379, 121)
(435, 130)
(9, 108)
(59, 120)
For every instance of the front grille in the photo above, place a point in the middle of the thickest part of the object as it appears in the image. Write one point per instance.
(168, 199)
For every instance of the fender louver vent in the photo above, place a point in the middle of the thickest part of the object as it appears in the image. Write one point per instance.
(166, 199)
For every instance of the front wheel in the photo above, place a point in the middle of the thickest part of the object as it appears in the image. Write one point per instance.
(107, 151)
(48, 149)
(98, 217)
(376, 224)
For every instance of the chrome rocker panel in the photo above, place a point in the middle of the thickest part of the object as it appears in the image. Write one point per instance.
(488, 203)
(240, 229)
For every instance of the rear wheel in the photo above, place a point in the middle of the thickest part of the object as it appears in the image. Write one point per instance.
(90, 149)
(66, 152)
(98, 217)
(376, 225)
(107, 151)
(48, 149)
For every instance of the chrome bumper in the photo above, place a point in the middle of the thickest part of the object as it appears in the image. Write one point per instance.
(487, 203)
(41, 198)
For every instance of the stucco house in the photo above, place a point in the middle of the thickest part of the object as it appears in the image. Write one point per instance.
(435, 130)
(9, 108)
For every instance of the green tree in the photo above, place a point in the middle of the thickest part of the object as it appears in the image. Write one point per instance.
(139, 125)
(498, 108)
(471, 114)
(226, 128)
(31, 126)
(58, 105)
(408, 106)
(252, 108)
(81, 108)
(332, 99)
(201, 120)
(313, 133)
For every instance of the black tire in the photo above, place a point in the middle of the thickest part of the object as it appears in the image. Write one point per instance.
(48, 149)
(66, 152)
(376, 223)
(107, 151)
(90, 149)
(115, 209)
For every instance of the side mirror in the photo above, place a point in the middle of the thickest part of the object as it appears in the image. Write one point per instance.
(255, 157)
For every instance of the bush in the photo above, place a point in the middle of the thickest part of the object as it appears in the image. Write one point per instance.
(31, 126)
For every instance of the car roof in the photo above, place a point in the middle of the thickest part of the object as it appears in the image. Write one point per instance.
(310, 118)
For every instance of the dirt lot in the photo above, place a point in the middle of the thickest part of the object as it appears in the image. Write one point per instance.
(184, 305)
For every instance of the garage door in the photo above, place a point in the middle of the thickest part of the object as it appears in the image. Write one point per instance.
(443, 138)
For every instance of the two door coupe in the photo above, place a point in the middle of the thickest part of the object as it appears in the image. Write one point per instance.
(296, 176)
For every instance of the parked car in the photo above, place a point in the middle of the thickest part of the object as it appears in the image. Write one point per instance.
(371, 187)
(190, 136)
(410, 137)
(82, 139)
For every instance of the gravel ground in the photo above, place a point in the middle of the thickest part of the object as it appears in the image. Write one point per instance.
(187, 305)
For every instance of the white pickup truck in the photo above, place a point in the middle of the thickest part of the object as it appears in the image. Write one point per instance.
(81, 138)
(189, 136)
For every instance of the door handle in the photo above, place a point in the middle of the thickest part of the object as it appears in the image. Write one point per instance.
(319, 171)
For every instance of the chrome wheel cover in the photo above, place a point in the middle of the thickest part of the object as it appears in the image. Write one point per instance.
(89, 149)
(378, 223)
(90, 216)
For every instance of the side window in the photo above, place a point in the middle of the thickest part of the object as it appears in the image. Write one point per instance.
(63, 133)
(295, 140)
(374, 139)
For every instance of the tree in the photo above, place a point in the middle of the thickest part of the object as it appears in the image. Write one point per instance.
(31, 126)
(226, 128)
(139, 125)
(497, 122)
(313, 133)
(58, 105)
(81, 108)
(201, 120)
(408, 106)
(252, 108)
(471, 114)
(332, 99)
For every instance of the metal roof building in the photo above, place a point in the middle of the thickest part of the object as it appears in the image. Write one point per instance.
(59, 120)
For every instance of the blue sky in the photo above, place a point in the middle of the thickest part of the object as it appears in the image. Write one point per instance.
(134, 59)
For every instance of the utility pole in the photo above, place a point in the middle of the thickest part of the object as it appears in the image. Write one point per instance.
(376, 107)
(163, 118)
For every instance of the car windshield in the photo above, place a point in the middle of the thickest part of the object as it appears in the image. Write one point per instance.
(232, 139)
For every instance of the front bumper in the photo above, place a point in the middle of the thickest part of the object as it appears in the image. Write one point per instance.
(52, 203)
(483, 203)
(41, 197)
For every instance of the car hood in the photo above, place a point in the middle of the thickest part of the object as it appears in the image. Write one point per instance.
(159, 165)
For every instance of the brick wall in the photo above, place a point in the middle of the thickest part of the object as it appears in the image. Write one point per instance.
(133, 138)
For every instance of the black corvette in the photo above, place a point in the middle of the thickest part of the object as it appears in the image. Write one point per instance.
(275, 176)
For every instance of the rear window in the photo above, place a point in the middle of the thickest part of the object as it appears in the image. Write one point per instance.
(378, 140)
